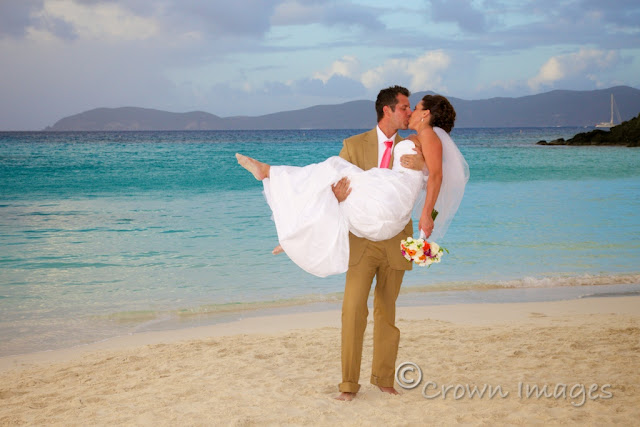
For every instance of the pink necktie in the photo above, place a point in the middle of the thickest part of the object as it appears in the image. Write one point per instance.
(384, 163)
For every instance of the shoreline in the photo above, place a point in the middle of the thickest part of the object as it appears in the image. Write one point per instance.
(417, 296)
(258, 322)
(582, 354)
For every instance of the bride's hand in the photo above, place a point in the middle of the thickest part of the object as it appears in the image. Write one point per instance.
(426, 224)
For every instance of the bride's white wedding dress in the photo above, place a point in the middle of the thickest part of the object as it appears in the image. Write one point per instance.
(313, 228)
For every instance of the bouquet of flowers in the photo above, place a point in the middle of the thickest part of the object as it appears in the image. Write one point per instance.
(421, 252)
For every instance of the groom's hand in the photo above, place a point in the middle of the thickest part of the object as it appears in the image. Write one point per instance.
(341, 189)
(412, 161)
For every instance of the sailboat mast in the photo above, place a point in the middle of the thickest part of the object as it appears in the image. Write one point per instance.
(611, 121)
(610, 124)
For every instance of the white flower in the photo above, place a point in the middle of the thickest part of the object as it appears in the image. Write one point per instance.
(435, 248)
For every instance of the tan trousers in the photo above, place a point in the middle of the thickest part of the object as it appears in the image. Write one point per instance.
(386, 337)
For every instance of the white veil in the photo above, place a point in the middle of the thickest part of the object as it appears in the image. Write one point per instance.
(455, 174)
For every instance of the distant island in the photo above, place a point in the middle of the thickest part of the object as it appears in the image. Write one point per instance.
(550, 109)
(625, 134)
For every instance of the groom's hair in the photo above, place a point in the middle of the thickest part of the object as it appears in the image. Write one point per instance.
(389, 96)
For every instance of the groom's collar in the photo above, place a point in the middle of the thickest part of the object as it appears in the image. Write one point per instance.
(382, 137)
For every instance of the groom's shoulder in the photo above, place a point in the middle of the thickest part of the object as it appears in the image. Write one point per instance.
(359, 138)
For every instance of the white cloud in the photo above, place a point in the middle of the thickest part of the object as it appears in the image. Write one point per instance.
(423, 73)
(579, 64)
(98, 21)
(347, 66)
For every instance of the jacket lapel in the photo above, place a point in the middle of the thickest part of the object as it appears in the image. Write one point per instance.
(370, 149)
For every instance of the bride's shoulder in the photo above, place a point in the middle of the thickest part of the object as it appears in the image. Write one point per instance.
(429, 133)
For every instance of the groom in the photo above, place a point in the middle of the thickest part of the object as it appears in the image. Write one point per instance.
(368, 258)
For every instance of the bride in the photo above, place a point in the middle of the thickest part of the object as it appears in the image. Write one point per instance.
(313, 227)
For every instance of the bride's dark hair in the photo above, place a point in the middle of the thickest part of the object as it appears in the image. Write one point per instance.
(442, 113)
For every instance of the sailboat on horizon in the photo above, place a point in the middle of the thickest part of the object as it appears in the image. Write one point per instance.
(610, 123)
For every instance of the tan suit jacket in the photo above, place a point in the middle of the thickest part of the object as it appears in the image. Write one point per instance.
(362, 151)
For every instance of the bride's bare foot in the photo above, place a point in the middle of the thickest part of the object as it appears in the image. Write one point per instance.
(258, 169)
(277, 250)
(346, 396)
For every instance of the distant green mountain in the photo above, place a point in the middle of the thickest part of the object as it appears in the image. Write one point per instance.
(555, 108)
(134, 118)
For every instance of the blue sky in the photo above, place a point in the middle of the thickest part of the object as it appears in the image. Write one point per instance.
(252, 57)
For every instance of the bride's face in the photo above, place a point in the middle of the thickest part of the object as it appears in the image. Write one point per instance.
(418, 114)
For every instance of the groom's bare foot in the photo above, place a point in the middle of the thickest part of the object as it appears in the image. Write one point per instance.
(346, 396)
(389, 390)
(258, 169)
(277, 250)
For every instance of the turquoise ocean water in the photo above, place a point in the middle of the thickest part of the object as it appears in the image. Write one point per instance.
(109, 233)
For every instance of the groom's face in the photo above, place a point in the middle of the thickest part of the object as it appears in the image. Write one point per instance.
(400, 116)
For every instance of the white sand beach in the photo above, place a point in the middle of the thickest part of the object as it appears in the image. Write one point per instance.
(285, 369)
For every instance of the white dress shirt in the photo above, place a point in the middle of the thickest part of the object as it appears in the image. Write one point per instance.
(381, 147)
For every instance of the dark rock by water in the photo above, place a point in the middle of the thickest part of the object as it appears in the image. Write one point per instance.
(625, 134)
